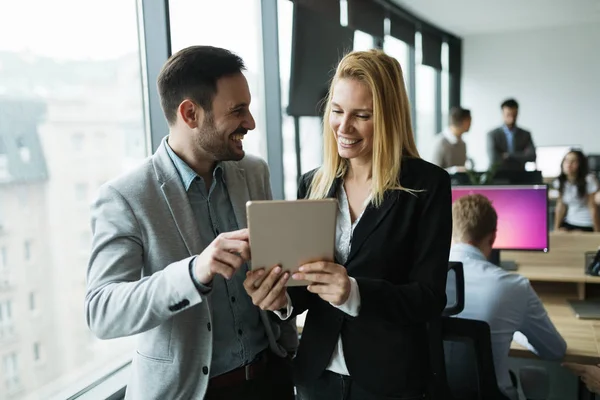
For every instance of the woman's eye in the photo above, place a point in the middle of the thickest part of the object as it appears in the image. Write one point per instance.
(336, 111)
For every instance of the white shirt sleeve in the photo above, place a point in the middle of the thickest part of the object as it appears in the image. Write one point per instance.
(542, 338)
(289, 308)
(352, 305)
(592, 184)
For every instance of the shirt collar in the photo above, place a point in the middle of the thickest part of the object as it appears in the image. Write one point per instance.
(509, 131)
(461, 251)
(186, 173)
(451, 137)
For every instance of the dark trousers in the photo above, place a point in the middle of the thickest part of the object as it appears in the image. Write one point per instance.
(275, 384)
(331, 386)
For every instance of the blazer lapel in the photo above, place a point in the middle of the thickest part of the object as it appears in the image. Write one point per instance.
(235, 179)
(177, 200)
(370, 220)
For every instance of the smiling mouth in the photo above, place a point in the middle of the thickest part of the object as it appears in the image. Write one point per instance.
(347, 142)
(237, 137)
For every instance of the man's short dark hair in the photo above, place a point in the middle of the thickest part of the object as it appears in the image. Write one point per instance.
(458, 115)
(192, 73)
(510, 103)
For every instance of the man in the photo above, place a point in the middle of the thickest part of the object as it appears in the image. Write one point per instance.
(450, 151)
(506, 301)
(509, 146)
(169, 255)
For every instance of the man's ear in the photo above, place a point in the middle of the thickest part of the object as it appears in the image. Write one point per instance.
(493, 239)
(190, 113)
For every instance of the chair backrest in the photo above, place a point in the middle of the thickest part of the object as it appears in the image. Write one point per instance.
(469, 361)
(455, 289)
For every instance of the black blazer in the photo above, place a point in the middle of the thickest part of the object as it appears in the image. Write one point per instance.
(399, 258)
(524, 149)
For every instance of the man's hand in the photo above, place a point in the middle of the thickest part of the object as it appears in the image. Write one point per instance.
(328, 280)
(589, 374)
(224, 256)
(268, 294)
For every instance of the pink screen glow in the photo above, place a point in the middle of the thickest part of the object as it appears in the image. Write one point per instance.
(522, 214)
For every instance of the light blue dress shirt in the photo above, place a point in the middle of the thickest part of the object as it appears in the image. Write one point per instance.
(510, 135)
(508, 303)
(238, 332)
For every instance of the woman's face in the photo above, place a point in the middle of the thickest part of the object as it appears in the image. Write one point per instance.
(570, 164)
(351, 119)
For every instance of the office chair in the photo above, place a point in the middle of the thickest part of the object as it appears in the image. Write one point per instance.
(469, 362)
(455, 293)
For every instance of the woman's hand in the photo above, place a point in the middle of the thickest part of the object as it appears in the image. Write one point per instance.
(328, 280)
(267, 293)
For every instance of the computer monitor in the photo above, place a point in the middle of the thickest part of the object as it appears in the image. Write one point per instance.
(522, 217)
(549, 158)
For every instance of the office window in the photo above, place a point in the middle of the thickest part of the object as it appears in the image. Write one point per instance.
(445, 93)
(37, 352)
(77, 141)
(3, 258)
(400, 51)
(11, 372)
(234, 25)
(363, 41)
(70, 69)
(32, 303)
(27, 250)
(425, 104)
(81, 192)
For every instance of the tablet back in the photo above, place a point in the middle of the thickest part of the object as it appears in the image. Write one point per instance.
(291, 233)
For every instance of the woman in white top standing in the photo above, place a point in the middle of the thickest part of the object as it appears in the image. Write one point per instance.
(576, 208)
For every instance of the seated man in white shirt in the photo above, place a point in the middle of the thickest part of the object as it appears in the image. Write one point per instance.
(506, 301)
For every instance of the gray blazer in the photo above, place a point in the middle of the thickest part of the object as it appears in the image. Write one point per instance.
(138, 280)
(524, 149)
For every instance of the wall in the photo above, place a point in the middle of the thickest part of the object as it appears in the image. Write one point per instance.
(553, 73)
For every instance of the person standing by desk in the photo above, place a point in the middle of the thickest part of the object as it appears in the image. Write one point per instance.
(365, 335)
(450, 151)
(509, 146)
(506, 301)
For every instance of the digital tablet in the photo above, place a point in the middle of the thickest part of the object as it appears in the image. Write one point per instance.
(291, 233)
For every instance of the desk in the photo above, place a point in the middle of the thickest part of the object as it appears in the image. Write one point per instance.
(582, 336)
(554, 275)
(564, 263)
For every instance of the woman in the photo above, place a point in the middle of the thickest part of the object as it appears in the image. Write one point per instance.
(365, 334)
(576, 208)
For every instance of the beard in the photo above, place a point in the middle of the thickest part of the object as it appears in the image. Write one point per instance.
(218, 144)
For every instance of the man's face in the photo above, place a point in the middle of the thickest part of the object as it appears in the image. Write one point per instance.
(466, 124)
(510, 116)
(225, 126)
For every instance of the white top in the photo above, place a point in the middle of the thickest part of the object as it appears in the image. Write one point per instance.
(578, 211)
(508, 303)
(343, 243)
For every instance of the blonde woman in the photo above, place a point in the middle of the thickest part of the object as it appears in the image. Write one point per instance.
(365, 334)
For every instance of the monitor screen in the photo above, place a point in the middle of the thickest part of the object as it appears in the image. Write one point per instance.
(522, 214)
(549, 159)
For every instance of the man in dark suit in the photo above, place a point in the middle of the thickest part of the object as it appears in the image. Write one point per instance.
(510, 146)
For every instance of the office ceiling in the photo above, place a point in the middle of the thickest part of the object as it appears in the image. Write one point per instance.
(470, 17)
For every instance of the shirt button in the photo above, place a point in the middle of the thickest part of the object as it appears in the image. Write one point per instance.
(205, 370)
(208, 326)
(240, 332)
(232, 299)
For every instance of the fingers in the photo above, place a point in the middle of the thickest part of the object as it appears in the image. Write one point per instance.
(218, 267)
(276, 299)
(241, 247)
(319, 266)
(241, 234)
(316, 277)
(252, 279)
(265, 286)
(227, 258)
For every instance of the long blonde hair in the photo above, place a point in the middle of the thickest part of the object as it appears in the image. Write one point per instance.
(392, 128)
